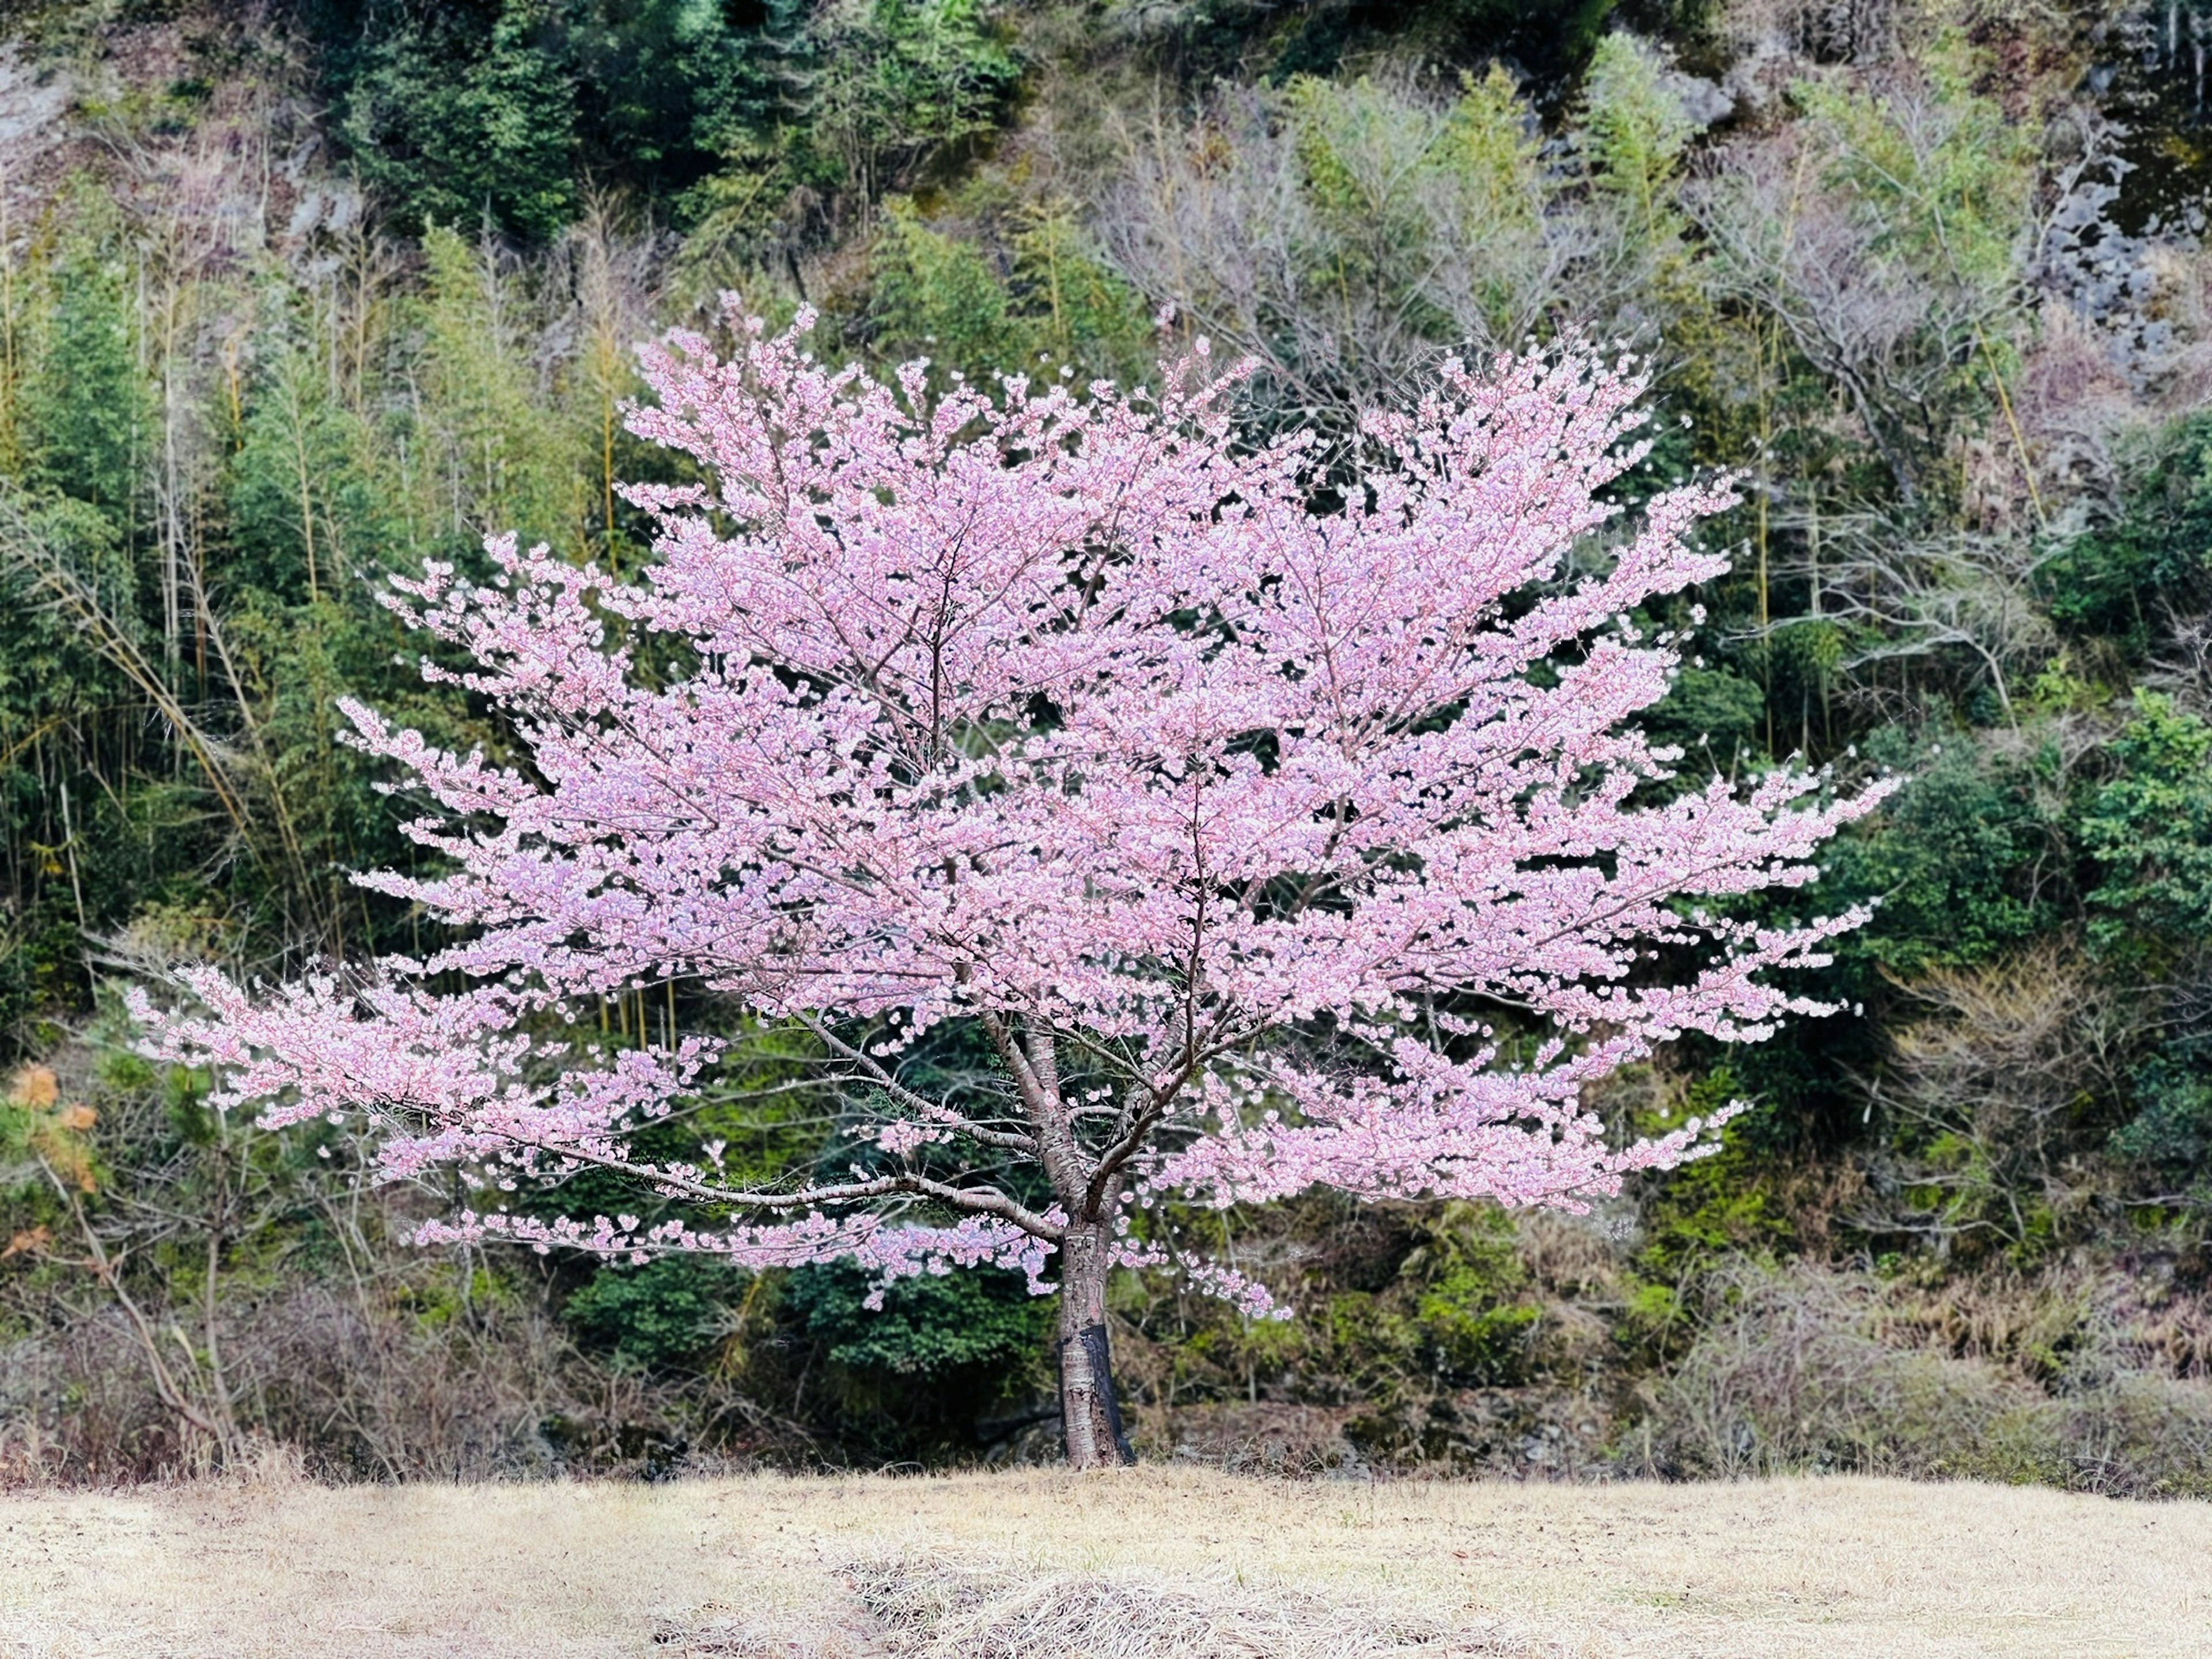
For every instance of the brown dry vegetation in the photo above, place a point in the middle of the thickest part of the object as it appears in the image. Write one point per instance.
(1157, 1561)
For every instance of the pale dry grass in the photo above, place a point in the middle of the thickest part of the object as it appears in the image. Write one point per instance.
(1158, 1561)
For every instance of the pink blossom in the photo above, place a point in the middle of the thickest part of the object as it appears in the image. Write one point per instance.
(1221, 817)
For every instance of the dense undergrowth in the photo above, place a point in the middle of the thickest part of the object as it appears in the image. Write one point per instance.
(292, 299)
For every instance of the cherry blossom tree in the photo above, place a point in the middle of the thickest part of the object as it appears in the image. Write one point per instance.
(1271, 818)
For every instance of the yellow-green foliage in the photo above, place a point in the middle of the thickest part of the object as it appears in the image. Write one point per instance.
(1041, 301)
(1636, 132)
(1944, 172)
(1403, 197)
(493, 457)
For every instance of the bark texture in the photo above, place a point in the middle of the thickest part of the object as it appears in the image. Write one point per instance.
(1091, 1414)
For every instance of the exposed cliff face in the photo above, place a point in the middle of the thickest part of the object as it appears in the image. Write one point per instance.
(202, 128)
(2147, 70)
(33, 109)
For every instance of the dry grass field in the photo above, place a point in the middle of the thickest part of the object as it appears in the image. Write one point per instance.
(1156, 1562)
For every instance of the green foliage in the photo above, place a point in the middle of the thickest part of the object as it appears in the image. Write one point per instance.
(1400, 1308)
(82, 404)
(505, 106)
(1951, 861)
(2171, 1133)
(1495, 153)
(663, 1316)
(1874, 254)
(1712, 713)
(1716, 1208)
(1944, 175)
(301, 502)
(868, 93)
(2150, 829)
(1080, 311)
(927, 1327)
(1468, 1318)
(1635, 131)
(1398, 197)
(899, 79)
(458, 123)
(2115, 579)
(1550, 38)
(1039, 300)
(939, 297)
(498, 460)
(666, 86)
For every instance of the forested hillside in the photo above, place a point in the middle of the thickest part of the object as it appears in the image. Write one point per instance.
(293, 297)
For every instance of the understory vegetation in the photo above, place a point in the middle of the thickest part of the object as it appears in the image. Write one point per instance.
(297, 297)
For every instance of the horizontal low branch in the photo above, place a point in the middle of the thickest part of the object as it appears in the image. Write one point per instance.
(973, 1200)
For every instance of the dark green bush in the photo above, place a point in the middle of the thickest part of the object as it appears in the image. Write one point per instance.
(665, 1315)
(927, 1327)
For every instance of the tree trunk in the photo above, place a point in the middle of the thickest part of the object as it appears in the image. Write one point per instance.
(1091, 1415)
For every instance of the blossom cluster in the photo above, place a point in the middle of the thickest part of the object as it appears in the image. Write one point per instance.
(1278, 817)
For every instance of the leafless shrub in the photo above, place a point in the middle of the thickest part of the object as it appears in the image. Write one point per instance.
(1999, 1090)
(1264, 1437)
(349, 1391)
(2078, 409)
(2183, 669)
(1811, 1369)
(1343, 236)
(2182, 304)
(1895, 334)
(1892, 592)
(204, 1298)
(2138, 1435)
(1790, 1378)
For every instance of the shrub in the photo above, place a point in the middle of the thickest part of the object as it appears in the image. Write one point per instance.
(1795, 1376)
(662, 1315)
(1791, 1378)
(926, 1326)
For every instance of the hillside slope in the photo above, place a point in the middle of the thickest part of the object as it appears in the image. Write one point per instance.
(295, 298)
